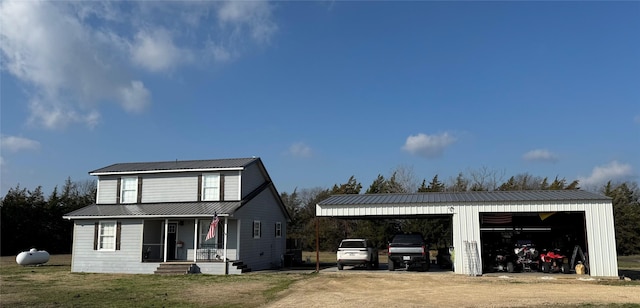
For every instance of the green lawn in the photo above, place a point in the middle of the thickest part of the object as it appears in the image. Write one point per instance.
(53, 285)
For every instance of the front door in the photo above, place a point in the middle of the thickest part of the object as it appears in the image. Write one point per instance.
(171, 240)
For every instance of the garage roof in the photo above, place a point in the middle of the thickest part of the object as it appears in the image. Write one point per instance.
(468, 196)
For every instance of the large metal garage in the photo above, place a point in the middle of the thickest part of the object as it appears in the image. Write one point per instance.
(584, 218)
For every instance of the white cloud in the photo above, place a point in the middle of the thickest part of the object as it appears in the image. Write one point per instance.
(540, 155)
(156, 52)
(16, 144)
(610, 172)
(73, 56)
(67, 66)
(134, 97)
(254, 16)
(300, 150)
(429, 146)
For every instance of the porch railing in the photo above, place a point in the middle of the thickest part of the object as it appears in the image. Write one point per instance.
(209, 252)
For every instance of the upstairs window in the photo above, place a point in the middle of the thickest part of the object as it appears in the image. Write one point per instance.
(257, 229)
(129, 190)
(278, 229)
(211, 187)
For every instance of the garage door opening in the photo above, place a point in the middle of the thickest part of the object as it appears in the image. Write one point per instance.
(502, 233)
(437, 231)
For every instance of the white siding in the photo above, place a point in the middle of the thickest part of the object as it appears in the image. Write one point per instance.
(466, 227)
(232, 186)
(126, 260)
(170, 188)
(265, 252)
(252, 178)
(601, 242)
(107, 190)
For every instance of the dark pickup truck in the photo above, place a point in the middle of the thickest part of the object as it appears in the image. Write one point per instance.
(407, 250)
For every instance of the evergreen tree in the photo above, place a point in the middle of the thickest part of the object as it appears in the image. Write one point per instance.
(626, 211)
(460, 183)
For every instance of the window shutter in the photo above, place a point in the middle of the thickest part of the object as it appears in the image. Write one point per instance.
(139, 189)
(118, 232)
(119, 187)
(221, 187)
(200, 187)
(95, 235)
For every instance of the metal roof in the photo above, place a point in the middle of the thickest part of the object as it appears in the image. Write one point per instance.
(168, 210)
(177, 165)
(466, 197)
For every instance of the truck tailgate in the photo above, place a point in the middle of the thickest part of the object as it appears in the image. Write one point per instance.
(405, 250)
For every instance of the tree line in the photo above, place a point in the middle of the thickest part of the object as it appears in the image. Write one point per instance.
(438, 230)
(29, 219)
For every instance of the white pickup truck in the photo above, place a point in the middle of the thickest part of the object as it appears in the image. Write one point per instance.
(357, 252)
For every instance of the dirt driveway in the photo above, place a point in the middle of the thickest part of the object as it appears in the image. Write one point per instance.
(381, 288)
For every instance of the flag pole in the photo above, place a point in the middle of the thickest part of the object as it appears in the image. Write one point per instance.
(317, 246)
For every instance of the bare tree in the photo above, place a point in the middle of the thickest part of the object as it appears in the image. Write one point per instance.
(485, 179)
(406, 178)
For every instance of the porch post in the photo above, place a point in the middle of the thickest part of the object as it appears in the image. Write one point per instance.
(166, 237)
(195, 241)
(224, 256)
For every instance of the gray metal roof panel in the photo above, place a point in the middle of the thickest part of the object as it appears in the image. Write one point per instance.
(174, 209)
(469, 196)
(177, 165)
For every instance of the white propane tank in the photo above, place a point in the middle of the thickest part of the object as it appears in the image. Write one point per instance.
(32, 257)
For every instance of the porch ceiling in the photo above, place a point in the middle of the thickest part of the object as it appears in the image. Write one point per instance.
(146, 210)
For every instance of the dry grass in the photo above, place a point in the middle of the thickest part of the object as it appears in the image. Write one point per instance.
(53, 285)
(360, 288)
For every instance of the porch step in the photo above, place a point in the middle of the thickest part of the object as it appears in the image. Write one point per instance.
(173, 269)
(241, 266)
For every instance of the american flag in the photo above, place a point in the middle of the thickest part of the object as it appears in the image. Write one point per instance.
(497, 218)
(212, 228)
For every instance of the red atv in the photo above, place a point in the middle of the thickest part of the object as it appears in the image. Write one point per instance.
(554, 262)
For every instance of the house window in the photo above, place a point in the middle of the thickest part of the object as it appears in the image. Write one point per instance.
(107, 235)
(211, 187)
(278, 229)
(257, 229)
(129, 190)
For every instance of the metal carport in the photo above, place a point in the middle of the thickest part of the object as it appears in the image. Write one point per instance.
(466, 208)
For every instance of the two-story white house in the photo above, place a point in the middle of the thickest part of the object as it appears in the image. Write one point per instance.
(152, 214)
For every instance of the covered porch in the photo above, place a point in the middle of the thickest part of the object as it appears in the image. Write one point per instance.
(185, 240)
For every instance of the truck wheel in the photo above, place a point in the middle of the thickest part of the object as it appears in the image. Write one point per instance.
(392, 265)
(426, 266)
(339, 266)
(565, 269)
(510, 267)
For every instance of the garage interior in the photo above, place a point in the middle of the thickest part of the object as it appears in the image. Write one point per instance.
(544, 231)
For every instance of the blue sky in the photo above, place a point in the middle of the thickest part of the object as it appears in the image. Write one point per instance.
(322, 91)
